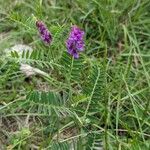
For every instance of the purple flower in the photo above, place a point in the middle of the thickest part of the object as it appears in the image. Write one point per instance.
(44, 32)
(75, 42)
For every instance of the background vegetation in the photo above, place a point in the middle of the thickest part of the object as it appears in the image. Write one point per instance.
(100, 101)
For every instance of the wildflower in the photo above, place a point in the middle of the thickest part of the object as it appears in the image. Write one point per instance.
(75, 43)
(44, 32)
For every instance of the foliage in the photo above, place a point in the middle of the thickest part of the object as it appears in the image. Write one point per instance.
(99, 101)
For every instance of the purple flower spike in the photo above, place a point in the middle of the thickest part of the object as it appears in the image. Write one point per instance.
(44, 32)
(75, 42)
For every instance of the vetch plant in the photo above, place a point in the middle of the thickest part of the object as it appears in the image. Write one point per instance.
(64, 75)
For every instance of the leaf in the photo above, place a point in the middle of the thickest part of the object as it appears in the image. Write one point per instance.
(94, 87)
(60, 146)
(48, 103)
(72, 67)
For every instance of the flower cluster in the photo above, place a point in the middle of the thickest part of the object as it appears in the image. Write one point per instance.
(75, 42)
(44, 32)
